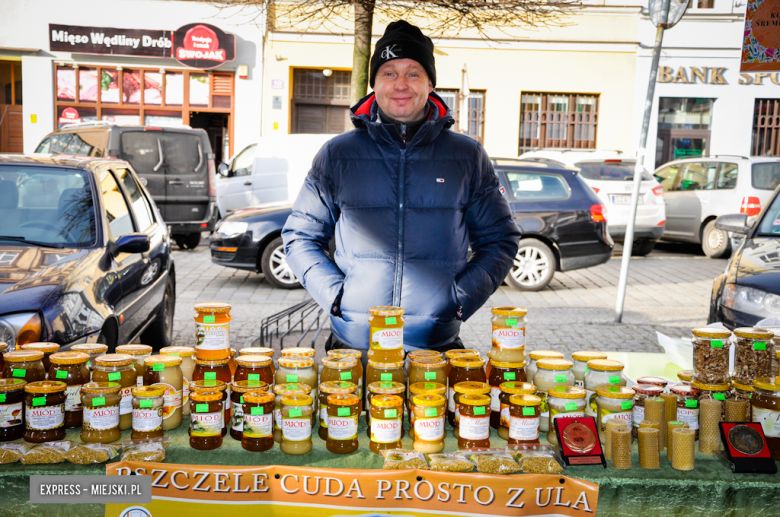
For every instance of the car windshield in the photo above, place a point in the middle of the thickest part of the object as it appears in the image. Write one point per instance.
(766, 176)
(46, 206)
(610, 171)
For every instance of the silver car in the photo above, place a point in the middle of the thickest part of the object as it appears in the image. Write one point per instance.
(698, 190)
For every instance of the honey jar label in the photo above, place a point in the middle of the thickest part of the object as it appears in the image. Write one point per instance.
(185, 392)
(206, 424)
(237, 418)
(505, 415)
(73, 398)
(126, 404)
(524, 429)
(277, 418)
(495, 400)
(509, 339)
(101, 418)
(387, 339)
(299, 429)
(258, 426)
(10, 415)
(639, 415)
(474, 428)
(323, 416)
(147, 420)
(554, 413)
(385, 431)
(689, 415)
(212, 336)
(605, 414)
(451, 399)
(769, 420)
(44, 418)
(343, 427)
(429, 429)
(171, 399)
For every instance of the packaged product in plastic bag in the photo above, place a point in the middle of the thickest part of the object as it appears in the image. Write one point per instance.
(400, 459)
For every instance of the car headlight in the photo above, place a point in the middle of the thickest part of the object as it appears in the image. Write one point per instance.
(751, 301)
(230, 228)
(20, 329)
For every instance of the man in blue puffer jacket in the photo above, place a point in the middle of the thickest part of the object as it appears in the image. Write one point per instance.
(405, 197)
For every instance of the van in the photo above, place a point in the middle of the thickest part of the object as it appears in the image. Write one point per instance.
(176, 165)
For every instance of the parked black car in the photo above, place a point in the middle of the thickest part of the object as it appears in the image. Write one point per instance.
(176, 165)
(748, 291)
(564, 227)
(84, 255)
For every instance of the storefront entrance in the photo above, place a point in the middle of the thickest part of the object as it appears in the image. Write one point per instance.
(217, 125)
(11, 107)
(683, 128)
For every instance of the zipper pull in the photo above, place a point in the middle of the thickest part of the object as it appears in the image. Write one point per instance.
(403, 132)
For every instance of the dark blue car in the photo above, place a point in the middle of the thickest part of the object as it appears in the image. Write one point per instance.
(563, 223)
(84, 255)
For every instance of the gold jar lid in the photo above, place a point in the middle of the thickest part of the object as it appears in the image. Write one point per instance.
(165, 360)
(711, 333)
(298, 352)
(208, 385)
(712, 387)
(212, 307)
(11, 384)
(304, 400)
(345, 352)
(68, 358)
(210, 362)
(386, 366)
(339, 363)
(753, 333)
(46, 348)
(341, 399)
(472, 388)
(427, 388)
(554, 364)
(46, 387)
(259, 397)
(292, 388)
(468, 361)
(257, 350)
(101, 387)
(425, 353)
(386, 310)
(685, 375)
(605, 365)
(475, 400)
(588, 355)
(567, 392)
(428, 362)
(296, 362)
(502, 364)
(246, 386)
(525, 400)
(181, 351)
(254, 361)
(205, 396)
(615, 392)
(429, 400)
(545, 354)
(338, 387)
(386, 388)
(385, 401)
(134, 349)
(767, 383)
(94, 348)
(518, 312)
(743, 387)
(148, 391)
(460, 352)
(517, 388)
(114, 360)
(23, 356)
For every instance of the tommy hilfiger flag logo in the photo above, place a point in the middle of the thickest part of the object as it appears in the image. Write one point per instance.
(439, 180)
(502, 190)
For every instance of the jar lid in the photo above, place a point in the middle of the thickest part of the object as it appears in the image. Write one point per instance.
(567, 392)
(345, 352)
(685, 375)
(545, 354)
(385, 401)
(474, 400)
(148, 391)
(343, 399)
(509, 311)
(296, 362)
(712, 387)
(257, 350)
(648, 389)
(11, 384)
(655, 381)
(428, 362)
(685, 390)
(133, 349)
(298, 351)
(427, 388)
(502, 364)
(3, 346)
(247, 386)
(46, 348)
(605, 365)
(301, 400)
(101, 387)
(386, 310)
(114, 360)
(338, 387)
(23, 356)
(753, 333)
(386, 388)
(554, 364)
(292, 388)
(46, 387)
(208, 385)
(95, 348)
(517, 388)
(181, 351)
(212, 307)
(468, 361)
(588, 355)
(763, 383)
(615, 392)
(386, 366)
(165, 360)
(460, 352)
(743, 387)
(259, 397)
(205, 396)
(254, 361)
(711, 332)
(210, 362)
(525, 400)
(472, 388)
(425, 353)
(428, 400)
(68, 358)
(339, 362)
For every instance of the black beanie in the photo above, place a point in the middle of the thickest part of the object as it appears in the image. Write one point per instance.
(403, 40)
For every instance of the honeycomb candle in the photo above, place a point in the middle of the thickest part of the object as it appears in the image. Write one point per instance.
(621, 447)
(654, 411)
(670, 426)
(612, 423)
(648, 447)
(683, 443)
(709, 432)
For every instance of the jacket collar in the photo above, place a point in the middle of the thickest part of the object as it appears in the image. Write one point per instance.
(364, 115)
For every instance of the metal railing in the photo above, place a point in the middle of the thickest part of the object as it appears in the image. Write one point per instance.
(302, 317)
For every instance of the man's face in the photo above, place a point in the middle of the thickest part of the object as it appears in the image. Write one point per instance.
(402, 89)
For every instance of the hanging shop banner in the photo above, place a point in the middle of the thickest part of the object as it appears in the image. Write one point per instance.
(199, 45)
(761, 39)
(110, 41)
(218, 490)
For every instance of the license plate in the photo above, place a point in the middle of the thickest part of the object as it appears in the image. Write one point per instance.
(623, 199)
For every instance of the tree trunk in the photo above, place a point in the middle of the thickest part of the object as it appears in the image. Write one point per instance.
(361, 52)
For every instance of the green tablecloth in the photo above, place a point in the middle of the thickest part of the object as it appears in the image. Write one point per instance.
(710, 489)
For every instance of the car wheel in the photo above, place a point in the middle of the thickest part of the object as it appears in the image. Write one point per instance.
(642, 247)
(160, 333)
(191, 240)
(715, 243)
(534, 266)
(275, 267)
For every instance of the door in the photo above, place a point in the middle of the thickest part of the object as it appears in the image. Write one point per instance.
(683, 206)
(235, 190)
(676, 144)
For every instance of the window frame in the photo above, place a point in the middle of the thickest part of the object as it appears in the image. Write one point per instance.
(456, 111)
(763, 127)
(131, 173)
(515, 199)
(109, 169)
(571, 123)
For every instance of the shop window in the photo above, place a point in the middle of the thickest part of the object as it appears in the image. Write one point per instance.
(120, 116)
(766, 128)
(66, 83)
(683, 128)
(109, 87)
(131, 87)
(162, 118)
(199, 90)
(153, 85)
(88, 85)
(559, 120)
(476, 111)
(75, 115)
(321, 103)
(174, 89)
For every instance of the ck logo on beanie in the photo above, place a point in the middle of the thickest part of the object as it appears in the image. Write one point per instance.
(388, 52)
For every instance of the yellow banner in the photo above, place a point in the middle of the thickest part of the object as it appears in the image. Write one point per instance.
(308, 492)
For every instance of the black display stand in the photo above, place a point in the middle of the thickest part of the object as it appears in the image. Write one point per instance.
(746, 448)
(578, 440)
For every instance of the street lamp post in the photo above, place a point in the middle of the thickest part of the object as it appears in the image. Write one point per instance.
(463, 121)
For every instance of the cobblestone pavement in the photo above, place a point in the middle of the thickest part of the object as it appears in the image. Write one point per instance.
(668, 291)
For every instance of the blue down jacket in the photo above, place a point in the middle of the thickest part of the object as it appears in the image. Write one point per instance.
(403, 218)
